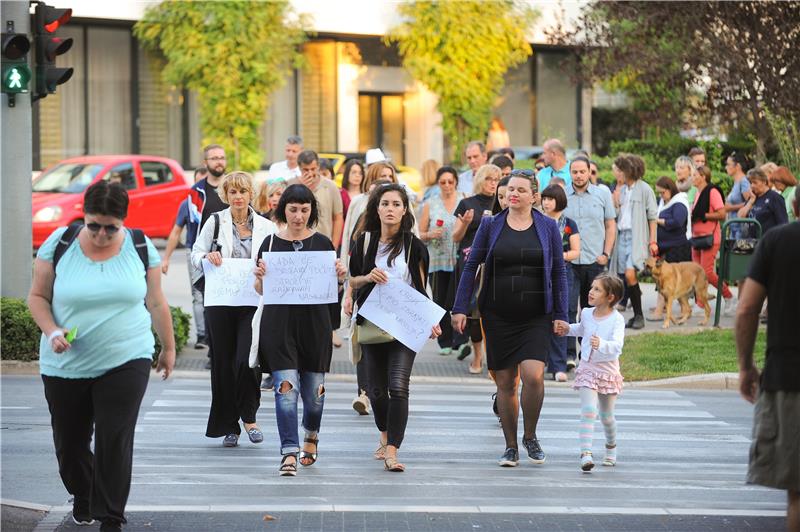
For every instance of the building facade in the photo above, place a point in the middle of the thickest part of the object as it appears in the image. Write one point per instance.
(353, 95)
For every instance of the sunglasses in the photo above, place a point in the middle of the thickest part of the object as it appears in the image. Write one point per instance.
(297, 245)
(522, 172)
(110, 229)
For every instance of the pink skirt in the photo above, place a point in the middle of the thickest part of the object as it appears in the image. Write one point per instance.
(590, 376)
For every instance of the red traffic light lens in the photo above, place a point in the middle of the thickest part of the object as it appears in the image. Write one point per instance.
(56, 18)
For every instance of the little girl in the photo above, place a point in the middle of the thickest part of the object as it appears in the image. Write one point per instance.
(598, 376)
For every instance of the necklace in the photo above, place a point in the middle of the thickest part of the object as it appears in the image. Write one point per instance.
(240, 222)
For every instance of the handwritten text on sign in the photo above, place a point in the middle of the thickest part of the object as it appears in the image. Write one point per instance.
(300, 278)
(400, 310)
(230, 284)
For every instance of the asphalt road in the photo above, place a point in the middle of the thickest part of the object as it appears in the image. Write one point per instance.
(682, 462)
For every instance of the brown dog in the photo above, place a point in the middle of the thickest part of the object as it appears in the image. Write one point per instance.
(679, 280)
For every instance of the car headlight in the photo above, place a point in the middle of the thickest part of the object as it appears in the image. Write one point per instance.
(48, 214)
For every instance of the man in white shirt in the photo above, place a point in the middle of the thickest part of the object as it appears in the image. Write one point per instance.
(288, 169)
(475, 152)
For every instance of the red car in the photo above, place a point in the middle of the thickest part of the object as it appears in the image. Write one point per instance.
(156, 186)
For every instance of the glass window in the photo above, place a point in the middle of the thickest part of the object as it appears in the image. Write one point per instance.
(155, 173)
(68, 178)
(109, 74)
(122, 174)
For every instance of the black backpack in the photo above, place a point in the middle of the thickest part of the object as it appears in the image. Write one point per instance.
(69, 236)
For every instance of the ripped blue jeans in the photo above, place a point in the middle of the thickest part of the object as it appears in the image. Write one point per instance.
(311, 387)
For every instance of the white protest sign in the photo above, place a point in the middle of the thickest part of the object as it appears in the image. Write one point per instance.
(400, 310)
(300, 278)
(230, 284)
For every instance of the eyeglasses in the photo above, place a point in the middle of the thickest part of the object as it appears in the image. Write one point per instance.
(525, 172)
(110, 229)
(297, 245)
(215, 159)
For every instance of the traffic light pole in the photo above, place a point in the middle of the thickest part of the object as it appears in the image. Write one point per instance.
(15, 176)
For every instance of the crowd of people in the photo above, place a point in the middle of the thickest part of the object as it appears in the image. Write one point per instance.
(534, 267)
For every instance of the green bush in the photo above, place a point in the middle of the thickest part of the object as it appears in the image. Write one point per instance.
(20, 339)
(664, 151)
(655, 170)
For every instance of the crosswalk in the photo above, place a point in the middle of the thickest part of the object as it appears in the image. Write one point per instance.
(675, 457)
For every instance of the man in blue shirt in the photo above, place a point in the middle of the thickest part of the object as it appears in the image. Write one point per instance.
(189, 217)
(475, 152)
(555, 157)
(593, 210)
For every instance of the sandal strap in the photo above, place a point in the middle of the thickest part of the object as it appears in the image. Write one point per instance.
(311, 440)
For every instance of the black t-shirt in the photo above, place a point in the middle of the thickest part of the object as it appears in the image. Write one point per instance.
(515, 289)
(776, 265)
(479, 203)
(213, 203)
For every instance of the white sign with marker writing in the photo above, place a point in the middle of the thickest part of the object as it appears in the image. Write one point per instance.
(230, 284)
(300, 278)
(400, 310)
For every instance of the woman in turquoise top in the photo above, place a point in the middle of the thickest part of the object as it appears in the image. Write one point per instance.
(94, 380)
(436, 229)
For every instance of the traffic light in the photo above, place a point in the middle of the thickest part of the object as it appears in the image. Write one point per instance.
(46, 20)
(16, 75)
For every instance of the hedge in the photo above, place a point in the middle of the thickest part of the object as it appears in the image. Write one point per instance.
(20, 334)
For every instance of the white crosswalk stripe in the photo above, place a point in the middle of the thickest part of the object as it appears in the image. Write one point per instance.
(674, 457)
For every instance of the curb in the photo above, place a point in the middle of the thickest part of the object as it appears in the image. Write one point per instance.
(711, 381)
(25, 505)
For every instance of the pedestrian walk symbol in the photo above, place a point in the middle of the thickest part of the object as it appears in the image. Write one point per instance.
(16, 78)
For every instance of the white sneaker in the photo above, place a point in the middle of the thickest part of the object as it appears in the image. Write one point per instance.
(730, 306)
(586, 462)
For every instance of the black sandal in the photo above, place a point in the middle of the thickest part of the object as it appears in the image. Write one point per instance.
(288, 470)
(305, 455)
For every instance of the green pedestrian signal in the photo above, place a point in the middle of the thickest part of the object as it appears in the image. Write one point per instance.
(16, 78)
(16, 73)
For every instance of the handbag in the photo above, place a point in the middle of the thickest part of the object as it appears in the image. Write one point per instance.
(368, 333)
(702, 242)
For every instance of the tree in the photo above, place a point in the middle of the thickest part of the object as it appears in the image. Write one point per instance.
(234, 54)
(460, 50)
(740, 56)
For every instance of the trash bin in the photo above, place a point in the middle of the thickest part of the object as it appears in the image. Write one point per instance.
(735, 254)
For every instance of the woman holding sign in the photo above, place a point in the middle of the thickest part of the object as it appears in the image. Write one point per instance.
(388, 248)
(524, 288)
(235, 392)
(295, 341)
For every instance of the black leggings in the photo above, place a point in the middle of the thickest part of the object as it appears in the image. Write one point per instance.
(389, 371)
(107, 405)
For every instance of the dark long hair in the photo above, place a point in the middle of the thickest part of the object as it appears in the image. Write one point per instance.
(372, 221)
(503, 183)
(346, 175)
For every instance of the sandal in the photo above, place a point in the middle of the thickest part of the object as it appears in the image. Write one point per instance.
(380, 452)
(391, 464)
(305, 455)
(286, 469)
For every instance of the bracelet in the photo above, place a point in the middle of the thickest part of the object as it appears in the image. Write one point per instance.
(55, 334)
(604, 254)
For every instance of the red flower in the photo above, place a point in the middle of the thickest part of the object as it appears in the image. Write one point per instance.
(567, 230)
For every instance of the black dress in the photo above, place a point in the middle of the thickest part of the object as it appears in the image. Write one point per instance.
(513, 312)
(296, 336)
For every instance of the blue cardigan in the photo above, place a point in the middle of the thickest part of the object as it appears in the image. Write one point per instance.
(555, 293)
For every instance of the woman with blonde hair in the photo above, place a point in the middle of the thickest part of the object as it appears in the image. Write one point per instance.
(429, 178)
(235, 390)
(269, 194)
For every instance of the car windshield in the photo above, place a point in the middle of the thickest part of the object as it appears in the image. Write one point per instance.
(69, 178)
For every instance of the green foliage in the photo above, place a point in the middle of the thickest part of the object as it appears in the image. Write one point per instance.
(786, 133)
(234, 54)
(654, 170)
(613, 125)
(180, 327)
(21, 335)
(659, 355)
(460, 50)
(20, 339)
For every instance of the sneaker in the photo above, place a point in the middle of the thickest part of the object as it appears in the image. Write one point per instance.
(444, 351)
(231, 440)
(110, 526)
(464, 350)
(201, 343)
(571, 364)
(361, 404)
(509, 459)
(560, 376)
(81, 514)
(730, 306)
(636, 322)
(535, 452)
(494, 405)
(586, 462)
(268, 383)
